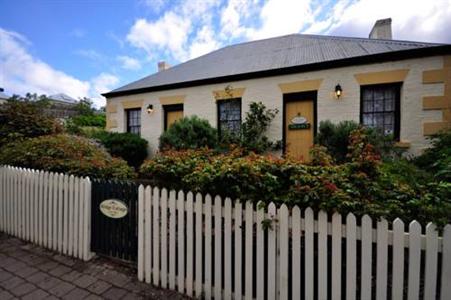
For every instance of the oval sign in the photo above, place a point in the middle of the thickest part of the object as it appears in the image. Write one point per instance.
(113, 208)
(299, 120)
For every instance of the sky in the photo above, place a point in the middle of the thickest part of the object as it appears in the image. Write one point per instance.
(87, 47)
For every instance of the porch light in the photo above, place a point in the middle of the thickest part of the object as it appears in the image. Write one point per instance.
(149, 109)
(338, 91)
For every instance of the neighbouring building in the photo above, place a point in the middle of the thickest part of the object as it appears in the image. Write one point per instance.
(401, 87)
(3, 96)
(62, 106)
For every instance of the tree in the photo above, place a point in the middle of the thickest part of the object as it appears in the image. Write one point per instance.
(253, 130)
(24, 119)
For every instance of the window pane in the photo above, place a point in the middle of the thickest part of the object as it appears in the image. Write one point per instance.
(134, 121)
(368, 106)
(379, 107)
(368, 120)
(230, 115)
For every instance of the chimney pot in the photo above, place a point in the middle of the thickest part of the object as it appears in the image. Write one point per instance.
(162, 65)
(381, 30)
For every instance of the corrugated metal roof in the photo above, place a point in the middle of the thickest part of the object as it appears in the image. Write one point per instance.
(63, 98)
(4, 96)
(269, 54)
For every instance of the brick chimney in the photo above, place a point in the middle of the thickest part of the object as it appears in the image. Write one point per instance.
(162, 65)
(381, 30)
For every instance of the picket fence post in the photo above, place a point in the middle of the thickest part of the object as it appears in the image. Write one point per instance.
(46, 208)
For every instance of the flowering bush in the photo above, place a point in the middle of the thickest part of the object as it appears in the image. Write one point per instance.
(365, 185)
(25, 119)
(67, 154)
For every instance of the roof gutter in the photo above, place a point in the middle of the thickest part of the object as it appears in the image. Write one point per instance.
(359, 60)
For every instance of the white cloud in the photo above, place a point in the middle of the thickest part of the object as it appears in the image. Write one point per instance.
(168, 34)
(181, 33)
(102, 83)
(203, 43)
(129, 63)
(20, 72)
(233, 17)
(280, 17)
(412, 19)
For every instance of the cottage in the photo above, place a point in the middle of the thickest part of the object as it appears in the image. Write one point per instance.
(401, 87)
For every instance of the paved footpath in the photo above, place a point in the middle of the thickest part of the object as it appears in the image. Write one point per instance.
(31, 272)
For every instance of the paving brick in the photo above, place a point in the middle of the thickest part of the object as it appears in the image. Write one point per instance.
(36, 295)
(132, 296)
(68, 261)
(136, 286)
(9, 261)
(93, 297)
(39, 274)
(61, 289)
(11, 283)
(71, 276)
(37, 277)
(13, 267)
(4, 275)
(33, 260)
(99, 287)
(5, 295)
(23, 289)
(76, 294)
(26, 272)
(49, 282)
(18, 253)
(48, 266)
(114, 278)
(85, 281)
(60, 270)
(114, 293)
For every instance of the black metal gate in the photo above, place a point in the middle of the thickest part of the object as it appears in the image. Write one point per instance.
(113, 236)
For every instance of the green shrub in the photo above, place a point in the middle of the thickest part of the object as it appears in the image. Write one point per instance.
(128, 146)
(253, 130)
(66, 154)
(364, 185)
(189, 133)
(335, 137)
(94, 120)
(437, 158)
(24, 119)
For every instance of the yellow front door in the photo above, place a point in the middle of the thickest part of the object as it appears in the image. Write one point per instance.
(299, 128)
(172, 116)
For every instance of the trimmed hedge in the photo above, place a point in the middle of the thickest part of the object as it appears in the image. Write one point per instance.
(66, 154)
(189, 133)
(128, 146)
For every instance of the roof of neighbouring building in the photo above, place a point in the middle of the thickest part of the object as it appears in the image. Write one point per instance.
(63, 98)
(280, 55)
(3, 96)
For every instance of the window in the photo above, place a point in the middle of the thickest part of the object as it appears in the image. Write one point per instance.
(380, 108)
(134, 120)
(229, 115)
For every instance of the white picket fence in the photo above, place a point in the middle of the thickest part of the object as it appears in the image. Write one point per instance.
(49, 209)
(214, 248)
